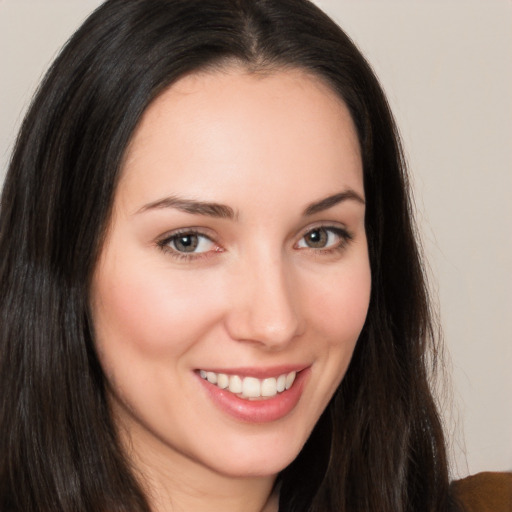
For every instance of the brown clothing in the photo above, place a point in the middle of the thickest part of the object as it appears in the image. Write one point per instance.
(484, 492)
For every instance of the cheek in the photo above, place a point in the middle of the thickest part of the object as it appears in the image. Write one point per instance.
(149, 313)
(340, 304)
(337, 307)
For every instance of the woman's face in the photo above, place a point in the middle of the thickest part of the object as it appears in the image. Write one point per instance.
(234, 280)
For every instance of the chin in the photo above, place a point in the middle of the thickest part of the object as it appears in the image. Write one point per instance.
(256, 460)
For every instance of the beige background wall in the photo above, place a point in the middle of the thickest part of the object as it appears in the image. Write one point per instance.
(447, 68)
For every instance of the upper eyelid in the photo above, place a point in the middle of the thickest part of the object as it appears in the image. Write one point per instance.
(211, 235)
(335, 229)
(185, 231)
(208, 233)
(338, 226)
(164, 244)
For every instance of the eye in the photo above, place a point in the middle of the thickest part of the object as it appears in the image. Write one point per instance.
(324, 238)
(189, 242)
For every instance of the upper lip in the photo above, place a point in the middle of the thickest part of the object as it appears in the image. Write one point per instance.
(258, 372)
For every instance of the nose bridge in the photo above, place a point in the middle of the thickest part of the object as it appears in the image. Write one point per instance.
(265, 308)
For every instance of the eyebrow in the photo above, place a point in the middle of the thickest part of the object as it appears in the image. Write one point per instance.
(192, 206)
(223, 211)
(329, 202)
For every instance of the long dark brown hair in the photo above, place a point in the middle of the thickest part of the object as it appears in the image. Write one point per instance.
(378, 446)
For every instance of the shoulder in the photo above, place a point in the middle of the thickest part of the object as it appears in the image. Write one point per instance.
(484, 492)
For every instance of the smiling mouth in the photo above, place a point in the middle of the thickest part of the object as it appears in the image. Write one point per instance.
(250, 387)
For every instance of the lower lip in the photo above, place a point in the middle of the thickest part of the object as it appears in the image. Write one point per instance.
(258, 411)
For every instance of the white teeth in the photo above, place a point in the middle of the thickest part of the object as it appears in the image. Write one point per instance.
(235, 384)
(289, 380)
(250, 387)
(281, 383)
(222, 381)
(211, 377)
(269, 387)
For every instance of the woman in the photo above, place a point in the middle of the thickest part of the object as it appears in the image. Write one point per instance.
(211, 291)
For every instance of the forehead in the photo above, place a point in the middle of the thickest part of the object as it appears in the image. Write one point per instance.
(211, 127)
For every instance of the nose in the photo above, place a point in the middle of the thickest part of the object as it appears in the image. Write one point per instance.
(265, 304)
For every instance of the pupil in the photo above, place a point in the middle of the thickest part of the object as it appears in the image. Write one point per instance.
(186, 243)
(317, 238)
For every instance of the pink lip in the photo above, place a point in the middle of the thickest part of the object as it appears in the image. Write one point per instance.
(259, 373)
(257, 411)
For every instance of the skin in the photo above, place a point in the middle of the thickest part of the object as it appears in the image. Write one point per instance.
(254, 294)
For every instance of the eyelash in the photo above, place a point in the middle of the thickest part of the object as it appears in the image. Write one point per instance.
(343, 235)
(164, 245)
(344, 239)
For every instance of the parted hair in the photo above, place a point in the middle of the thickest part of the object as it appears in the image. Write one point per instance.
(378, 446)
